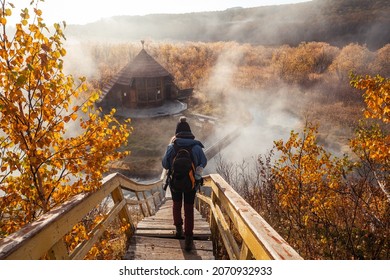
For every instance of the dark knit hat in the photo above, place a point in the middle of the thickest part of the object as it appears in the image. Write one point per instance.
(183, 129)
(182, 126)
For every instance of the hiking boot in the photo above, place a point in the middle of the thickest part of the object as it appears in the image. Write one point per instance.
(189, 243)
(179, 232)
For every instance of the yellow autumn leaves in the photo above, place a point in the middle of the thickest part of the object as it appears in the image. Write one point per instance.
(372, 141)
(305, 176)
(53, 144)
(307, 173)
(326, 199)
(376, 96)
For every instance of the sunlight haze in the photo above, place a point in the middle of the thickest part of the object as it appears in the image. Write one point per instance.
(82, 12)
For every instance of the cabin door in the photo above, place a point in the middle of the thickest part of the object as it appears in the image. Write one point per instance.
(168, 92)
(126, 99)
(133, 98)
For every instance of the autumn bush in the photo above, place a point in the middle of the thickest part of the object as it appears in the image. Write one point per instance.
(303, 64)
(54, 143)
(324, 206)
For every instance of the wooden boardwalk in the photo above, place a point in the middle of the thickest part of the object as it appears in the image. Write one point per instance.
(155, 239)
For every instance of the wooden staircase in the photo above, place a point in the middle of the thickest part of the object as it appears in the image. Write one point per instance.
(154, 238)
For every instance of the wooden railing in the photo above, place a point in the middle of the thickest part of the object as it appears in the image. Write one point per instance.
(243, 231)
(219, 145)
(44, 237)
(245, 234)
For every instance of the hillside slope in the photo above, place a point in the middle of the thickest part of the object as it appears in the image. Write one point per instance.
(338, 22)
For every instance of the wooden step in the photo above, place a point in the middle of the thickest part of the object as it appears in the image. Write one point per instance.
(153, 248)
(154, 238)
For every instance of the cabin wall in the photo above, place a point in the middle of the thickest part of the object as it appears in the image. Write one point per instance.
(170, 89)
(113, 97)
(143, 92)
(150, 92)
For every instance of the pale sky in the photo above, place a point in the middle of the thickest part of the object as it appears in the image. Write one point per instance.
(85, 11)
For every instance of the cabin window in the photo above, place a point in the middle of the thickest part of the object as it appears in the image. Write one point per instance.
(149, 89)
(140, 83)
(153, 82)
(142, 95)
(151, 95)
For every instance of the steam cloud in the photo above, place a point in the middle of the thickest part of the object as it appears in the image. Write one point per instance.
(78, 60)
(260, 116)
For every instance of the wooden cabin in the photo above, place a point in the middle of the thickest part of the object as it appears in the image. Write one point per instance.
(143, 82)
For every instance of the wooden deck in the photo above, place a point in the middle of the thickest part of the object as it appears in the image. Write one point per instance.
(155, 239)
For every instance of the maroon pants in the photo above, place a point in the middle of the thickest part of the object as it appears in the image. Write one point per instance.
(189, 198)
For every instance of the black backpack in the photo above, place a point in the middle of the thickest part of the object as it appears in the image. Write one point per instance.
(183, 170)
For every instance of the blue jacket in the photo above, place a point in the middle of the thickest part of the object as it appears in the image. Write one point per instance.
(197, 152)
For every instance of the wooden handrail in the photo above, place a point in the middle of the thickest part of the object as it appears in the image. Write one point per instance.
(45, 235)
(259, 239)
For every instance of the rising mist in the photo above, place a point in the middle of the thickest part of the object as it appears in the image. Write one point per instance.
(338, 22)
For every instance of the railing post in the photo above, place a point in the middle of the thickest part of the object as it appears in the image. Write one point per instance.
(213, 225)
(197, 204)
(154, 200)
(58, 251)
(245, 254)
(147, 203)
(141, 204)
(124, 214)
